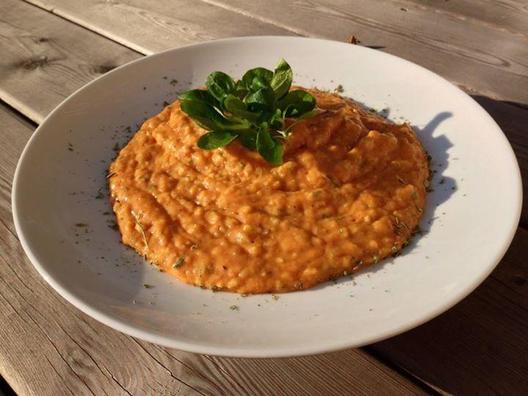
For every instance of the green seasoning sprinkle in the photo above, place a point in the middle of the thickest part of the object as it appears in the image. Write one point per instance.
(275, 297)
(234, 308)
(178, 262)
(147, 286)
(299, 285)
(81, 225)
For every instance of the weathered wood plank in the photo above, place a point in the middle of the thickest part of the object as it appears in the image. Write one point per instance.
(507, 15)
(479, 346)
(300, 376)
(152, 27)
(488, 60)
(464, 50)
(294, 376)
(490, 309)
(49, 347)
(44, 58)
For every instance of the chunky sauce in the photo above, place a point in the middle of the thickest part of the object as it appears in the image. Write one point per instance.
(350, 192)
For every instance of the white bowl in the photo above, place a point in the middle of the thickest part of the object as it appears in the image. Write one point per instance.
(470, 220)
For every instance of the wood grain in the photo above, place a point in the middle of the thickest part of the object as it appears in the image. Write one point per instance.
(152, 27)
(44, 58)
(50, 348)
(487, 59)
(509, 16)
(463, 49)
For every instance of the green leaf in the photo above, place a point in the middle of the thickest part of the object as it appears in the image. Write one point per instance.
(209, 118)
(219, 85)
(198, 95)
(248, 140)
(296, 103)
(276, 121)
(282, 79)
(260, 100)
(238, 108)
(216, 139)
(308, 114)
(268, 147)
(257, 78)
(240, 90)
(202, 112)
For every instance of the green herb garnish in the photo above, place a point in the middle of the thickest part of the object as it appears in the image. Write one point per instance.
(253, 109)
(179, 262)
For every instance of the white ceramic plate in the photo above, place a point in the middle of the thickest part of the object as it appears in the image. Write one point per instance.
(470, 219)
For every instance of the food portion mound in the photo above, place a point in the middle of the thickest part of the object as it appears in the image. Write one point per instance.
(350, 192)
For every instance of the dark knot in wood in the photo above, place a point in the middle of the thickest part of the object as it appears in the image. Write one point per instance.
(34, 63)
(102, 69)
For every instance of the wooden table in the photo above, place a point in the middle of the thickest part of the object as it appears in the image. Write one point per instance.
(49, 48)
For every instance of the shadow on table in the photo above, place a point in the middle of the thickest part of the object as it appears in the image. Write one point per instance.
(512, 117)
(479, 344)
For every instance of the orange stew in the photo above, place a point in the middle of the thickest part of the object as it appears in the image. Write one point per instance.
(350, 193)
